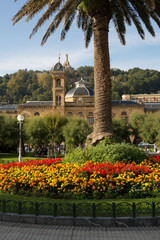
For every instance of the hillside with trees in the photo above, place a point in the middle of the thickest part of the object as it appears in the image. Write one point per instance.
(32, 85)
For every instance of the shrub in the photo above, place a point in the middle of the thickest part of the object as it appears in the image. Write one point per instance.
(79, 155)
(109, 153)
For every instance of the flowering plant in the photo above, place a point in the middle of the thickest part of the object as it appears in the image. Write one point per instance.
(51, 176)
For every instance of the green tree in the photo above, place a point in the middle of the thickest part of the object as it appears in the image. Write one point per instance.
(75, 132)
(17, 86)
(136, 122)
(148, 130)
(146, 127)
(45, 80)
(9, 134)
(54, 124)
(157, 127)
(94, 17)
(121, 131)
(36, 132)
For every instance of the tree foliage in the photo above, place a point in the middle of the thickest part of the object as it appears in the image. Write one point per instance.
(9, 134)
(36, 132)
(75, 132)
(30, 85)
(146, 127)
(55, 124)
(120, 130)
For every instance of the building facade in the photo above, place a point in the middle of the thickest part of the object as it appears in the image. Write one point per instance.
(145, 98)
(78, 102)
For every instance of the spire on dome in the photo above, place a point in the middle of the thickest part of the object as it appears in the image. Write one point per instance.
(58, 66)
(67, 64)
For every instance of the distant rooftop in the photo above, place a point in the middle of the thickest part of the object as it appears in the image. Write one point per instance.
(37, 103)
(9, 106)
(124, 102)
(152, 106)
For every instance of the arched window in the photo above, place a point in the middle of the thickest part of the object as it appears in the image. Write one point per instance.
(123, 113)
(69, 113)
(37, 114)
(58, 83)
(124, 116)
(90, 114)
(80, 114)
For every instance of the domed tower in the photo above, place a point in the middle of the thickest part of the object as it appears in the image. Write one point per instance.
(58, 74)
(79, 101)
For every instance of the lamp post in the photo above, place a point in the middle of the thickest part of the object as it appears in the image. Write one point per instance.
(20, 119)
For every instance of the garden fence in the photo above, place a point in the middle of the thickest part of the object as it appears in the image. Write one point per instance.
(103, 209)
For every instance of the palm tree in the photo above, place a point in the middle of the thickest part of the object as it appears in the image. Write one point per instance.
(93, 17)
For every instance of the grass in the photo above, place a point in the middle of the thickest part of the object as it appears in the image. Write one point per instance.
(38, 198)
(13, 157)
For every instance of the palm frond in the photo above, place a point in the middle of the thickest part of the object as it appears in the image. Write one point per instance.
(155, 18)
(122, 12)
(144, 15)
(149, 4)
(82, 18)
(56, 21)
(53, 6)
(30, 9)
(135, 18)
(119, 21)
(88, 33)
(84, 22)
(67, 23)
(48, 13)
(125, 12)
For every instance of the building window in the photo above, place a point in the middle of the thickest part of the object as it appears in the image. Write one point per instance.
(37, 114)
(90, 114)
(58, 83)
(123, 114)
(90, 120)
(80, 114)
(58, 100)
(69, 113)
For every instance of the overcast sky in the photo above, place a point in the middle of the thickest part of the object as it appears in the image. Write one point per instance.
(17, 51)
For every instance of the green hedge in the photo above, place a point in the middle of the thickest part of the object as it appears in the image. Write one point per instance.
(108, 153)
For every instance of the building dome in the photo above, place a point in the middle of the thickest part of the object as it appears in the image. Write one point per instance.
(80, 89)
(58, 67)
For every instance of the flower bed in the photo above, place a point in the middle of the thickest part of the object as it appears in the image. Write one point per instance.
(89, 179)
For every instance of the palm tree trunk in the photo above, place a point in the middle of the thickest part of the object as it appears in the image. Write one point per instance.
(103, 104)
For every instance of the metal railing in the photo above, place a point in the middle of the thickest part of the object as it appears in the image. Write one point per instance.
(103, 209)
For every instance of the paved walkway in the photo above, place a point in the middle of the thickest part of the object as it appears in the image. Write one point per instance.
(19, 231)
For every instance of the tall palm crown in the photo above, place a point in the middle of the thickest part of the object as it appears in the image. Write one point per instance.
(93, 17)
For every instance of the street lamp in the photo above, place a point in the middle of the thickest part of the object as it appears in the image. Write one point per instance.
(20, 119)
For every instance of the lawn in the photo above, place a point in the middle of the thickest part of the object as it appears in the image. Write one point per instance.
(13, 157)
